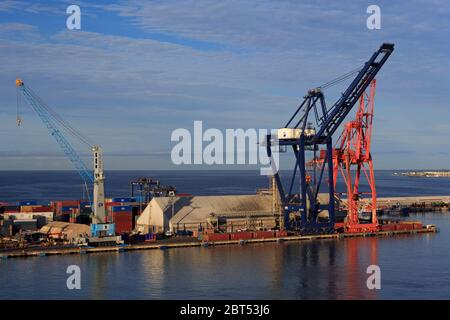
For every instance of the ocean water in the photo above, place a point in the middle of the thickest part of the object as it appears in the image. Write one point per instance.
(412, 266)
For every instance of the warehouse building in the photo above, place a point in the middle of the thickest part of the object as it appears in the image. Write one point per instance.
(226, 212)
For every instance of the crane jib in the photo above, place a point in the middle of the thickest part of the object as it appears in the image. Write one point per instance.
(47, 119)
(353, 92)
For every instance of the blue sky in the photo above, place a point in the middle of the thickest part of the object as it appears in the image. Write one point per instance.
(137, 70)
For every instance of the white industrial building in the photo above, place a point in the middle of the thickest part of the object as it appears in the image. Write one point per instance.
(232, 212)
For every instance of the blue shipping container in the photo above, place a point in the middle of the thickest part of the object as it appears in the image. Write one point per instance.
(28, 203)
(68, 208)
(122, 209)
(123, 200)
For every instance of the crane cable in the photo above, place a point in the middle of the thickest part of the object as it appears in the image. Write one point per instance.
(18, 118)
(340, 79)
(63, 123)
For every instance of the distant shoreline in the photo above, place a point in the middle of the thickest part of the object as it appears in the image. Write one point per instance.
(425, 173)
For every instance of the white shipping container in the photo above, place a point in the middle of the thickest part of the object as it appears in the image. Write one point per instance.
(19, 215)
(48, 215)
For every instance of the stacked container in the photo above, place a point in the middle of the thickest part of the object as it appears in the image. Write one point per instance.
(122, 216)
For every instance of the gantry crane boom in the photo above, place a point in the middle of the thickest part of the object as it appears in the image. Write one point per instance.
(330, 119)
(52, 121)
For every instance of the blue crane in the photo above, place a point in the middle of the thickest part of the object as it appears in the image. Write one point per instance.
(55, 124)
(301, 210)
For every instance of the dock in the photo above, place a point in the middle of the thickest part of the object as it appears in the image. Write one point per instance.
(415, 203)
(197, 243)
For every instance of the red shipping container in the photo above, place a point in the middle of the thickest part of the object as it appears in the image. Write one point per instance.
(216, 237)
(113, 204)
(123, 222)
(66, 203)
(42, 209)
(241, 235)
(281, 233)
(418, 225)
(388, 227)
(263, 234)
(405, 226)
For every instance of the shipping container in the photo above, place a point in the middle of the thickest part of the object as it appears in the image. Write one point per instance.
(65, 203)
(123, 200)
(62, 217)
(113, 204)
(122, 209)
(28, 203)
(263, 234)
(123, 222)
(418, 225)
(26, 208)
(18, 215)
(41, 209)
(48, 215)
(216, 237)
(405, 226)
(68, 208)
(281, 233)
(241, 235)
(388, 227)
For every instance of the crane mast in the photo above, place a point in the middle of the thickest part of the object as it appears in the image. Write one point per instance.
(99, 186)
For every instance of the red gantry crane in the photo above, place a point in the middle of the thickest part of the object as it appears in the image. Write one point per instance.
(353, 159)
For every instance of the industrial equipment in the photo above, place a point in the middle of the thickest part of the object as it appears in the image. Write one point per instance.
(301, 207)
(56, 125)
(149, 188)
(352, 158)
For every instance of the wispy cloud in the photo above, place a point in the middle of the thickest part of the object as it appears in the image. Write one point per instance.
(160, 65)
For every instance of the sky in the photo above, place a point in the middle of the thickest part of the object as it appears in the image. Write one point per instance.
(138, 70)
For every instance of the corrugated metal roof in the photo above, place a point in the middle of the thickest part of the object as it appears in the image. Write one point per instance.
(199, 208)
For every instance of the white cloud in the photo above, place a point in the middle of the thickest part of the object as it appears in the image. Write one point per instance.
(129, 92)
